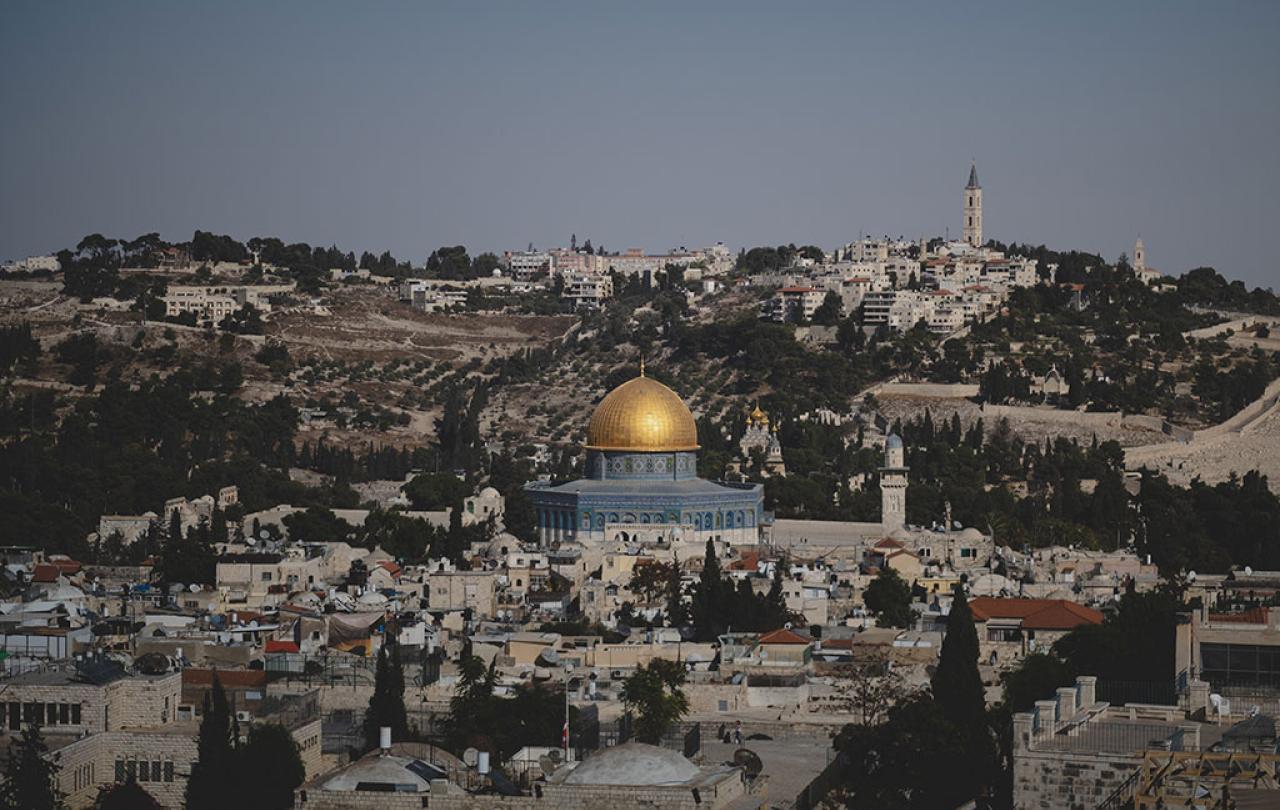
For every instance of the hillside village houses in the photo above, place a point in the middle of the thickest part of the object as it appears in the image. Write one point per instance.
(898, 284)
(119, 660)
(113, 663)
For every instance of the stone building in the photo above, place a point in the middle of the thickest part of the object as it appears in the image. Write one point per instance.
(1009, 629)
(160, 757)
(450, 589)
(93, 697)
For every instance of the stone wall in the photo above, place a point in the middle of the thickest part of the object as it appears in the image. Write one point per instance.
(1022, 412)
(1053, 780)
(145, 702)
(929, 390)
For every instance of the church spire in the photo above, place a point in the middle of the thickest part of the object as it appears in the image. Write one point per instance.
(973, 175)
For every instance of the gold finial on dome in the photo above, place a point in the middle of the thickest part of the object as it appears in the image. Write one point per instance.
(645, 416)
(758, 417)
(642, 365)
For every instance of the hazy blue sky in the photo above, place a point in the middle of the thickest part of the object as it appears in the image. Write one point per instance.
(405, 126)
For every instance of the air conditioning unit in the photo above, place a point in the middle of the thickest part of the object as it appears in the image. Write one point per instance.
(244, 717)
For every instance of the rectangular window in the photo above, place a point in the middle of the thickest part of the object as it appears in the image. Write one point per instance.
(131, 769)
(15, 716)
(266, 576)
(144, 772)
(1240, 665)
(155, 770)
(168, 770)
(64, 713)
(119, 769)
(75, 714)
(51, 712)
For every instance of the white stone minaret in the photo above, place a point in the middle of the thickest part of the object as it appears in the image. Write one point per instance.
(893, 485)
(1139, 256)
(973, 209)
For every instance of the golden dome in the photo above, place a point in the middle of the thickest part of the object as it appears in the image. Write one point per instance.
(642, 415)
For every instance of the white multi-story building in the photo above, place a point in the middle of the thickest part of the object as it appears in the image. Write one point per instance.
(794, 303)
(213, 303)
(527, 265)
(33, 263)
(587, 291)
(207, 304)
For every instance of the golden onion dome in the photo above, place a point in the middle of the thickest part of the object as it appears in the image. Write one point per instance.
(758, 416)
(642, 415)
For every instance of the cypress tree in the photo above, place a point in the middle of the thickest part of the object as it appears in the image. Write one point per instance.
(959, 694)
(709, 598)
(386, 706)
(677, 614)
(30, 780)
(212, 779)
(957, 686)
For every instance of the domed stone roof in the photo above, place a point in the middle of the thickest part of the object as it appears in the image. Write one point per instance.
(972, 534)
(894, 441)
(633, 763)
(642, 415)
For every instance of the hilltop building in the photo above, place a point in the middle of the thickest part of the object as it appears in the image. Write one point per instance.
(642, 480)
(973, 209)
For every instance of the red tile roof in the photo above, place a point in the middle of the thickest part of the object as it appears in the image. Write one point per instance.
(783, 636)
(1256, 615)
(44, 572)
(390, 567)
(276, 645)
(889, 542)
(227, 677)
(748, 562)
(798, 289)
(1036, 614)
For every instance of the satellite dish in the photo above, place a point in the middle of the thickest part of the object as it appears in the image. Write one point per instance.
(1248, 569)
(749, 761)
(249, 541)
(471, 756)
(264, 534)
(556, 755)
(1191, 576)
